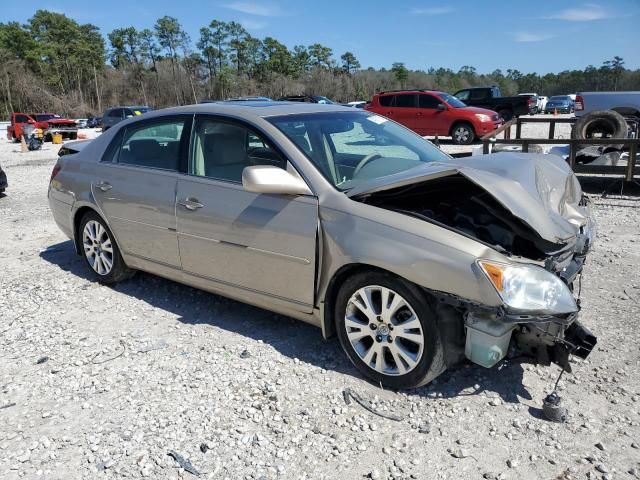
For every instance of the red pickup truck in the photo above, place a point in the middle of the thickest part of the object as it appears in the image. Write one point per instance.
(48, 122)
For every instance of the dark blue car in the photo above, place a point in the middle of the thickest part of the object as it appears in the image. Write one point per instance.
(559, 103)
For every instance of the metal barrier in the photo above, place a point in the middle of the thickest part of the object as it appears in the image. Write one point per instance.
(632, 144)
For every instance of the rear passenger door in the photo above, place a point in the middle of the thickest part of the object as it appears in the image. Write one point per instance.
(404, 110)
(135, 184)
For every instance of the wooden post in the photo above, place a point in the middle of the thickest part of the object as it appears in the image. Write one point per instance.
(518, 128)
(552, 129)
(485, 147)
(631, 165)
(525, 146)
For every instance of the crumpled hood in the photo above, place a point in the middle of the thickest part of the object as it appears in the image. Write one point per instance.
(541, 190)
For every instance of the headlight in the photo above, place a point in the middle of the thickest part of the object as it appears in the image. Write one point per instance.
(482, 117)
(529, 288)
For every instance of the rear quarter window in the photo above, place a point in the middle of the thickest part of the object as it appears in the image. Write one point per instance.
(386, 100)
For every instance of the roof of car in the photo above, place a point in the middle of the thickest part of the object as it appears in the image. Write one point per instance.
(410, 90)
(252, 108)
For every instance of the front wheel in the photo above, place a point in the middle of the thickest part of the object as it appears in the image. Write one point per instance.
(101, 251)
(388, 330)
(463, 134)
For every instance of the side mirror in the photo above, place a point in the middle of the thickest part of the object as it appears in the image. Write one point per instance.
(270, 179)
(442, 106)
(31, 121)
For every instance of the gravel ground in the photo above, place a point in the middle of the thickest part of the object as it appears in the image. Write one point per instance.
(99, 382)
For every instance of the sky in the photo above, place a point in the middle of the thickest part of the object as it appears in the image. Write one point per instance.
(531, 36)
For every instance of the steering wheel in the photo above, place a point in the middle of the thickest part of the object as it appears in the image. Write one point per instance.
(364, 161)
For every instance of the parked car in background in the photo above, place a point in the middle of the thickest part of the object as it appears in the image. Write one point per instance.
(625, 103)
(3, 180)
(246, 99)
(343, 219)
(117, 114)
(492, 99)
(94, 122)
(542, 103)
(357, 104)
(81, 122)
(429, 112)
(560, 104)
(47, 122)
(536, 98)
(306, 99)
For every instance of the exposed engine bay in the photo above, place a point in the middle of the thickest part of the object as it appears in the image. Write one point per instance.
(459, 204)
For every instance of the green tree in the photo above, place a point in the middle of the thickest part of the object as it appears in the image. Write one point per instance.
(320, 56)
(400, 72)
(171, 37)
(349, 62)
(238, 34)
(219, 37)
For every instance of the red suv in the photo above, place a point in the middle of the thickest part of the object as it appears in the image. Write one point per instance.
(429, 112)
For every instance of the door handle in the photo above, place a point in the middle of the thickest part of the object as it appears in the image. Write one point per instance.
(104, 186)
(191, 204)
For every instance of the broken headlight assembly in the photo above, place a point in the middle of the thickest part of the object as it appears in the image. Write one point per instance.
(529, 288)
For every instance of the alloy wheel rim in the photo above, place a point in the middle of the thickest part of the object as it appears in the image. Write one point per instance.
(384, 330)
(98, 248)
(461, 134)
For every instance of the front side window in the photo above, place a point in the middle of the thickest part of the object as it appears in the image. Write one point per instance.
(428, 101)
(153, 145)
(451, 100)
(22, 119)
(222, 150)
(350, 148)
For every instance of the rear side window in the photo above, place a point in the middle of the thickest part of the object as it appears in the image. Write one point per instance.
(428, 101)
(406, 101)
(386, 100)
(153, 145)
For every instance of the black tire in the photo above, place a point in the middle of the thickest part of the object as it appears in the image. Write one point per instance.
(600, 124)
(119, 270)
(506, 114)
(462, 134)
(431, 363)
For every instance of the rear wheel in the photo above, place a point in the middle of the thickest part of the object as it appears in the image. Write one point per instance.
(100, 250)
(463, 134)
(388, 330)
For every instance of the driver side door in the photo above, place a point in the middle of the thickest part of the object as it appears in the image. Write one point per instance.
(256, 244)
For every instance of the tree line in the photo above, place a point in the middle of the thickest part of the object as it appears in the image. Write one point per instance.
(53, 63)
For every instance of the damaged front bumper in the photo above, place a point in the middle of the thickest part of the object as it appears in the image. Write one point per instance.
(492, 334)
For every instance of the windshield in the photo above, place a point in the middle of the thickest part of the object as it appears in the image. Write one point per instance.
(43, 117)
(452, 101)
(350, 148)
(559, 99)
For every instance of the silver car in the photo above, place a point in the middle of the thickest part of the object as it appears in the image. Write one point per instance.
(343, 219)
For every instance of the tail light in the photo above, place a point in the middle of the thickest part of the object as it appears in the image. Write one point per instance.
(579, 103)
(56, 169)
(530, 101)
